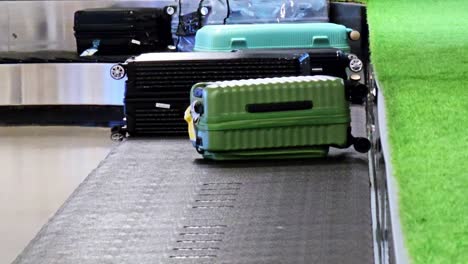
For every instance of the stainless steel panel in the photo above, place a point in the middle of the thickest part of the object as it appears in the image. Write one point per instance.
(48, 24)
(10, 84)
(76, 84)
(4, 31)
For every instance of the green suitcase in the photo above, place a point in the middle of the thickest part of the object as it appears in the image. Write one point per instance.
(286, 117)
(271, 36)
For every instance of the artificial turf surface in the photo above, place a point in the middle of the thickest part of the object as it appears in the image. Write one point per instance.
(420, 52)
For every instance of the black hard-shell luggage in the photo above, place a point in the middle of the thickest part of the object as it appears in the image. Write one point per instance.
(119, 31)
(158, 86)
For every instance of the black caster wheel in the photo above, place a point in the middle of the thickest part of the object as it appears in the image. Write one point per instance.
(117, 133)
(355, 64)
(117, 72)
(359, 94)
(200, 151)
(117, 136)
(362, 145)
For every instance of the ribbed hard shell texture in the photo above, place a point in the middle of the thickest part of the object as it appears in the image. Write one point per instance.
(280, 137)
(224, 100)
(227, 126)
(267, 36)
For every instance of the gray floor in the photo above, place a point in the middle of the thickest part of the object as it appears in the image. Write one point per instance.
(41, 166)
(156, 201)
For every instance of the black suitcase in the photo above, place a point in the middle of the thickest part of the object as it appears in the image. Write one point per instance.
(123, 31)
(158, 86)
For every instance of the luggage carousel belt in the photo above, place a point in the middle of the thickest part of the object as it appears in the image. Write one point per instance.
(156, 201)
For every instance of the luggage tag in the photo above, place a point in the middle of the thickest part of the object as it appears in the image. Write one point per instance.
(192, 117)
(191, 126)
(91, 51)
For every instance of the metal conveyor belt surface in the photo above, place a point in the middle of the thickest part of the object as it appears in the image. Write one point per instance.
(156, 201)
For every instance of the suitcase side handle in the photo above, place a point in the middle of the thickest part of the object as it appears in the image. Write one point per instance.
(279, 107)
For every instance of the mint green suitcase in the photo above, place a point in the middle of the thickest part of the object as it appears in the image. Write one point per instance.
(286, 117)
(271, 36)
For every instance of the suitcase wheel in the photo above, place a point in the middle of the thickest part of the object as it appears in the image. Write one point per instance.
(362, 145)
(200, 151)
(359, 93)
(117, 72)
(356, 65)
(117, 134)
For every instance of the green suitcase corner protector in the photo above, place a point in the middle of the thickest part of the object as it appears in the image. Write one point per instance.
(272, 36)
(271, 118)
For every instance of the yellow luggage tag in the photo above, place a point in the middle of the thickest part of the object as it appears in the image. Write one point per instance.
(191, 126)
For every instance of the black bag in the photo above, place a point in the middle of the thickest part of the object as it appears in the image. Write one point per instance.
(158, 86)
(123, 31)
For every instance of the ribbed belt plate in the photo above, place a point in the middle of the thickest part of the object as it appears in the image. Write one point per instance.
(156, 201)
